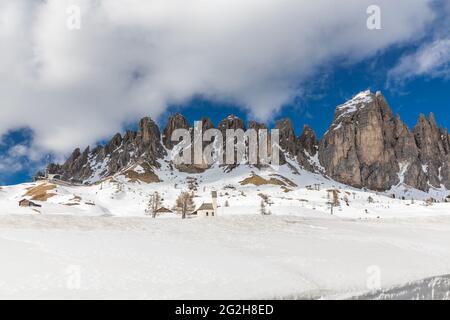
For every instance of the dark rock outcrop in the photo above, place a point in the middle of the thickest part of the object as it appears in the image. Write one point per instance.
(175, 122)
(148, 141)
(307, 141)
(433, 145)
(407, 155)
(307, 148)
(288, 140)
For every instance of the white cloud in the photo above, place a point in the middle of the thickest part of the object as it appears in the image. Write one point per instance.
(432, 59)
(18, 150)
(133, 58)
(20, 158)
(10, 163)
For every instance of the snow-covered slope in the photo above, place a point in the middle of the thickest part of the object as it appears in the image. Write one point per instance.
(228, 257)
(434, 288)
(96, 241)
(287, 190)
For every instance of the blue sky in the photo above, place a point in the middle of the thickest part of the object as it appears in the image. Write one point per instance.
(338, 83)
(85, 97)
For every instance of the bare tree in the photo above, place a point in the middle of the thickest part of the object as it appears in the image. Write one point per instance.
(346, 201)
(333, 196)
(154, 203)
(336, 201)
(185, 204)
(262, 208)
(331, 207)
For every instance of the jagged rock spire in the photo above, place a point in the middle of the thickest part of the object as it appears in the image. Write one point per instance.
(433, 146)
(176, 121)
(308, 141)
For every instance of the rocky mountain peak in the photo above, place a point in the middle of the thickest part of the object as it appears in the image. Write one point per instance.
(147, 129)
(433, 146)
(114, 143)
(308, 140)
(359, 147)
(206, 124)
(176, 121)
(288, 139)
(361, 100)
(366, 146)
(149, 140)
(231, 122)
(307, 148)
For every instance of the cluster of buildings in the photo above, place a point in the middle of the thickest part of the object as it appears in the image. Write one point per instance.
(206, 209)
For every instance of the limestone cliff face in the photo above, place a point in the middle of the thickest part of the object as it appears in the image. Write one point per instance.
(407, 154)
(353, 151)
(366, 146)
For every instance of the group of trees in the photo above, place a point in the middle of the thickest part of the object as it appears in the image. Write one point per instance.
(184, 204)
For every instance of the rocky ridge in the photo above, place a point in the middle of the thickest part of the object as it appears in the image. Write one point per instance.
(366, 146)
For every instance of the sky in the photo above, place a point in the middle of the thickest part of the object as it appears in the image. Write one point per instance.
(74, 72)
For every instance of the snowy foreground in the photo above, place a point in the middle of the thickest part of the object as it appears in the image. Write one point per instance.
(96, 241)
(249, 256)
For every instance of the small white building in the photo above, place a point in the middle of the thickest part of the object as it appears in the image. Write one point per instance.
(208, 209)
(205, 210)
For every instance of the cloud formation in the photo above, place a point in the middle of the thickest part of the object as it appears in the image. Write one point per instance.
(133, 58)
(432, 60)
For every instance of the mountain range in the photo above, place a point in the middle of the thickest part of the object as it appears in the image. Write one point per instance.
(366, 146)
